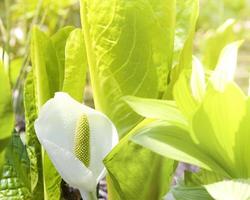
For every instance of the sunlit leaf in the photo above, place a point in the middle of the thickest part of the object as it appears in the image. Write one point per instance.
(230, 190)
(156, 109)
(226, 66)
(242, 144)
(198, 85)
(183, 95)
(129, 47)
(174, 142)
(218, 109)
(6, 110)
(46, 82)
(114, 41)
(45, 66)
(216, 41)
(33, 147)
(75, 65)
(136, 172)
(59, 41)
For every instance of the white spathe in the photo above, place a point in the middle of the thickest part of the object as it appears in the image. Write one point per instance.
(55, 129)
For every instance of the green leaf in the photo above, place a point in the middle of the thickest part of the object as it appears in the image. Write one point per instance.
(224, 152)
(156, 109)
(6, 110)
(173, 142)
(226, 66)
(115, 34)
(192, 189)
(230, 190)
(33, 147)
(183, 95)
(216, 41)
(198, 85)
(138, 173)
(242, 145)
(203, 177)
(75, 65)
(217, 121)
(190, 193)
(47, 81)
(59, 41)
(45, 66)
(186, 18)
(14, 179)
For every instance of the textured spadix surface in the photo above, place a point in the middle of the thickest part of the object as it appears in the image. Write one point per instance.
(81, 141)
(59, 120)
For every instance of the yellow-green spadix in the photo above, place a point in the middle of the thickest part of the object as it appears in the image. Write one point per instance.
(76, 138)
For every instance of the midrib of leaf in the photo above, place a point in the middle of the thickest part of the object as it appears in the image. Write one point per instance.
(97, 68)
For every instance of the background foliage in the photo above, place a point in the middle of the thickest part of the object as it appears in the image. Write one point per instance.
(22, 45)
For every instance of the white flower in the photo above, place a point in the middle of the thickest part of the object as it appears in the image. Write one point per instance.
(76, 138)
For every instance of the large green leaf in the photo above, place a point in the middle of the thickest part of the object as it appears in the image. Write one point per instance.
(208, 124)
(75, 65)
(129, 49)
(137, 173)
(156, 109)
(59, 63)
(6, 110)
(47, 81)
(45, 66)
(217, 121)
(174, 142)
(33, 147)
(59, 41)
(15, 179)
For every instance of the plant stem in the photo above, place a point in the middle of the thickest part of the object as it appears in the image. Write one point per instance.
(88, 195)
(92, 196)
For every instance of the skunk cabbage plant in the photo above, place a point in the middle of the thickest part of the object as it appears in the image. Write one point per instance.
(208, 123)
(76, 138)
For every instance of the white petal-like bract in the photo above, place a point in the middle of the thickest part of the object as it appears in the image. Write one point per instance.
(55, 129)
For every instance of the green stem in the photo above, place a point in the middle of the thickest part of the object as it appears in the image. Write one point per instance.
(92, 196)
(88, 195)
